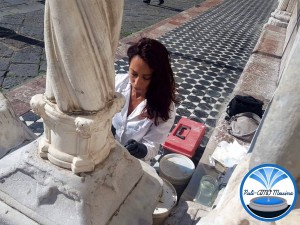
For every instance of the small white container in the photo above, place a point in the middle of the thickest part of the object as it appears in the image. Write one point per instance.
(177, 169)
(165, 204)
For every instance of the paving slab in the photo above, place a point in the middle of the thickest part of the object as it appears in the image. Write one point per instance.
(22, 21)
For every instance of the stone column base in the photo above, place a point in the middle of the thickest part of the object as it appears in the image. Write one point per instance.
(121, 190)
(280, 18)
(76, 142)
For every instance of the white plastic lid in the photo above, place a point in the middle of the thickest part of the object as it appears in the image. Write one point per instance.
(176, 167)
(167, 201)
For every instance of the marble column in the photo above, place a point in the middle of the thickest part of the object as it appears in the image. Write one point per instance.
(278, 140)
(81, 39)
(107, 186)
(281, 16)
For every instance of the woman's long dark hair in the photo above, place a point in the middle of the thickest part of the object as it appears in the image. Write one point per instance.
(161, 90)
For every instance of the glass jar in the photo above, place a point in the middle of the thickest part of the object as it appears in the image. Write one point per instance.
(207, 190)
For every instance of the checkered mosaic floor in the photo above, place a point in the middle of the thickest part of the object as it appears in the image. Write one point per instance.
(34, 122)
(208, 55)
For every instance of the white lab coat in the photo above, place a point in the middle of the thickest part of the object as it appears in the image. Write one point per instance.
(140, 129)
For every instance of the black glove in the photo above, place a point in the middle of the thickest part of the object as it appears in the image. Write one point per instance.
(136, 149)
(113, 130)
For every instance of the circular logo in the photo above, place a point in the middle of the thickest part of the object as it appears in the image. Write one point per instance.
(268, 192)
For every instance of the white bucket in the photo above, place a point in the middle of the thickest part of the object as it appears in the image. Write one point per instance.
(165, 204)
(177, 169)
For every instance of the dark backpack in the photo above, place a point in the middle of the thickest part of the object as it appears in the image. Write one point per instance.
(241, 104)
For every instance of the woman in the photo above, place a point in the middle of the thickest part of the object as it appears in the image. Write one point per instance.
(149, 89)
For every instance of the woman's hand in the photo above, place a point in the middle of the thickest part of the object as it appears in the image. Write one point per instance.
(136, 149)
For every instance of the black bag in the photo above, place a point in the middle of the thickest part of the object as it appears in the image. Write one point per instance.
(240, 104)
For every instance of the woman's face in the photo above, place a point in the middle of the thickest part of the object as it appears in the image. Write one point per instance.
(140, 75)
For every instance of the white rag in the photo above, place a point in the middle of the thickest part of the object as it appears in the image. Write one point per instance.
(229, 154)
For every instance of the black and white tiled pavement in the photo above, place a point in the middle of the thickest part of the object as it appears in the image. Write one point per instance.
(208, 55)
(34, 122)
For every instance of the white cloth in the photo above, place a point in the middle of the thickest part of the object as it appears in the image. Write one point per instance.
(229, 154)
(140, 129)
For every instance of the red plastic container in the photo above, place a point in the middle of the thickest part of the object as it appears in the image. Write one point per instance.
(185, 137)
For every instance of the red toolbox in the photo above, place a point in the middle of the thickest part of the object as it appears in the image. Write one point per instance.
(185, 137)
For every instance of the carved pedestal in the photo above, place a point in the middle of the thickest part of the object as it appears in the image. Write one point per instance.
(76, 142)
(282, 15)
(280, 18)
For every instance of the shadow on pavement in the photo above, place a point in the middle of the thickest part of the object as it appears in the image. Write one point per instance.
(167, 7)
(5, 32)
